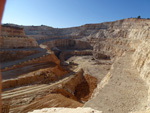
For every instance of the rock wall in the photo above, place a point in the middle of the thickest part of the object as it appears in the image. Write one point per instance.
(121, 36)
(68, 44)
(67, 90)
(126, 28)
(39, 76)
(135, 35)
(7, 30)
(142, 62)
(16, 42)
(14, 37)
(44, 59)
(72, 83)
(111, 48)
(6, 56)
(129, 36)
(67, 54)
(36, 77)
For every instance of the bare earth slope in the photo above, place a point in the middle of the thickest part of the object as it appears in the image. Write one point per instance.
(124, 91)
(117, 54)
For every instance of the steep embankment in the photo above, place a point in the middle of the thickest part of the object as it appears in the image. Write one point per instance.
(141, 62)
(69, 91)
(68, 44)
(14, 37)
(132, 28)
(123, 89)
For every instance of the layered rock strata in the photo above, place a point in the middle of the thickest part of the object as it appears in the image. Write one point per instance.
(129, 47)
(126, 28)
(68, 91)
(68, 44)
(125, 88)
(10, 31)
(14, 37)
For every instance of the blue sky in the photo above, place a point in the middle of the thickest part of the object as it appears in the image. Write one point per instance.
(69, 13)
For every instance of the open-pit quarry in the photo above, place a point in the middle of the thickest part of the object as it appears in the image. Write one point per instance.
(94, 68)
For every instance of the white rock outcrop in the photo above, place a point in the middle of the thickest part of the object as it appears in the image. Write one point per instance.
(66, 110)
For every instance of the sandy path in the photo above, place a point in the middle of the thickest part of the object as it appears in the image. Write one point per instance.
(34, 88)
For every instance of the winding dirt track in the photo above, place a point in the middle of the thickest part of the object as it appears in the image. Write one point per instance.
(34, 89)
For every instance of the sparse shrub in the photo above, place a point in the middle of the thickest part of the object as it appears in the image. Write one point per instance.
(139, 17)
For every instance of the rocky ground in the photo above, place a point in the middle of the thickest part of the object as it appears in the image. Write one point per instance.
(100, 66)
(96, 68)
(124, 90)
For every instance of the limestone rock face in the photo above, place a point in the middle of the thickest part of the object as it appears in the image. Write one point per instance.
(68, 44)
(14, 37)
(142, 62)
(71, 85)
(128, 42)
(16, 42)
(126, 28)
(7, 30)
(65, 55)
(110, 48)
